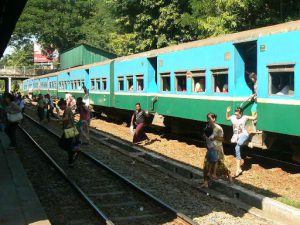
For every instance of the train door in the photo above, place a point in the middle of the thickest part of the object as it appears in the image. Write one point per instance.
(248, 53)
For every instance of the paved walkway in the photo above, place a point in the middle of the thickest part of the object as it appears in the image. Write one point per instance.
(19, 204)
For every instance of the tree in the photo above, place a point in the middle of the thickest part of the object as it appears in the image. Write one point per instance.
(20, 57)
(54, 23)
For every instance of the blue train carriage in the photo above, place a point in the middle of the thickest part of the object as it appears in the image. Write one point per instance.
(72, 81)
(52, 85)
(36, 86)
(209, 75)
(99, 84)
(279, 84)
(134, 81)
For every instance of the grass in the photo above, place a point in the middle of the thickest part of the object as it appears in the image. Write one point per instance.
(289, 202)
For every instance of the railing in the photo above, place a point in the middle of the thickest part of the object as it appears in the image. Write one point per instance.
(12, 71)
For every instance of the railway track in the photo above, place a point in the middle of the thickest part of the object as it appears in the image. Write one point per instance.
(266, 159)
(114, 198)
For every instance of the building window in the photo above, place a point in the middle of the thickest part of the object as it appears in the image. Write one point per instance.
(104, 84)
(180, 81)
(220, 80)
(199, 81)
(281, 79)
(165, 81)
(130, 83)
(121, 83)
(140, 82)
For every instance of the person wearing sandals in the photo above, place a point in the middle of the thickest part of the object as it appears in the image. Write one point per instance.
(71, 145)
(240, 134)
(216, 138)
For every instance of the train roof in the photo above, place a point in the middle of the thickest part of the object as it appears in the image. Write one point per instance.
(244, 36)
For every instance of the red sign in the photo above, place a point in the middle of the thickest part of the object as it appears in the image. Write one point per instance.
(41, 57)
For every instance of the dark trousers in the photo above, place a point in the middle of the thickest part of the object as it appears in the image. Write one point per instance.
(140, 134)
(40, 113)
(10, 130)
(50, 113)
(66, 144)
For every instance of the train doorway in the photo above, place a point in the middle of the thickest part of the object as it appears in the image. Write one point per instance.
(248, 52)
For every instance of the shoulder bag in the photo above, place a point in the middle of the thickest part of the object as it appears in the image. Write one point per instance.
(14, 117)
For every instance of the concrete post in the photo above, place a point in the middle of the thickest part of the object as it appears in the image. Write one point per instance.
(9, 85)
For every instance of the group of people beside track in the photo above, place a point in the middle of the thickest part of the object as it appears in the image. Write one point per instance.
(74, 134)
(12, 107)
(214, 162)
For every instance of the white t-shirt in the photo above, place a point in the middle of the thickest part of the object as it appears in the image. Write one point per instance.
(239, 125)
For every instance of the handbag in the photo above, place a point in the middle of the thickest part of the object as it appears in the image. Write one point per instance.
(14, 117)
(71, 132)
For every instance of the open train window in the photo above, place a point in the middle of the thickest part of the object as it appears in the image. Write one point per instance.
(121, 83)
(104, 84)
(198, 81)
(130, 83)
(281, 79)
(92, 84)
(220, 80)
(180, 81)
(165, 81)
(140, 82)
(98, 84)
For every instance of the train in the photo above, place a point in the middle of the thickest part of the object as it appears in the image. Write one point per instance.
(186, 81)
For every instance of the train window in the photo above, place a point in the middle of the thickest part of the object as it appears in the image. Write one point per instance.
(92, 84)
(121, 83)
(165, 81)
(140, 82)
(72, 85)
(130, 83)
(82, 83)
(98, 84)
(180, 81)
(104, 84)
(198, 81)
(281, 79)
(220, 80)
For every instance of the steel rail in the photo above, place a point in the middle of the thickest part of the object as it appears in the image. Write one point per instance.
(179, 215)
(102, 216)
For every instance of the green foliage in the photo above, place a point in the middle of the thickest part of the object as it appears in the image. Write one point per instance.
(131, 26)
(20, 57)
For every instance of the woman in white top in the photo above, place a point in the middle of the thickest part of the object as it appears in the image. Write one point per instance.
(240, 134)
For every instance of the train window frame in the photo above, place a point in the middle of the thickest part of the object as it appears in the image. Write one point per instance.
(129, 83)
(121, 81)
(140, 77)
(220, 72)
(93, 82)
(98, 84)
(198, 74)
(281, 71)
(104, 83)
(180, 75)
(163, 76)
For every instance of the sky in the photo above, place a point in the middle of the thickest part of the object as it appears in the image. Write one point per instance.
(8, 50)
